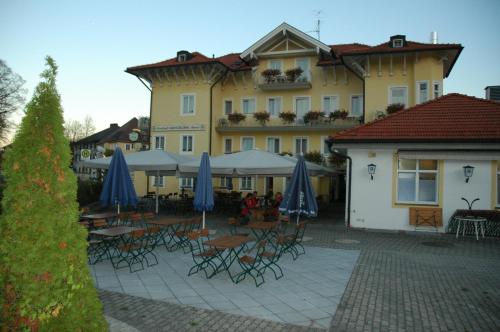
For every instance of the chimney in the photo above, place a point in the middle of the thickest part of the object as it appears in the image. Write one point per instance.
(434, 37)
(113, 125)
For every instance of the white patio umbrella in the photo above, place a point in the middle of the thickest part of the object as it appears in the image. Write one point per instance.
(252, 162)
(153, 162)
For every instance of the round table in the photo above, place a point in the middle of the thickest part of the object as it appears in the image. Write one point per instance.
(477, 221)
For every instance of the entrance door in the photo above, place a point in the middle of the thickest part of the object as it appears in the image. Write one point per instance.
(302, 106)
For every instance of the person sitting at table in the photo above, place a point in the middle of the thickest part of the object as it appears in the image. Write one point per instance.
(278, 198)
(247, 204)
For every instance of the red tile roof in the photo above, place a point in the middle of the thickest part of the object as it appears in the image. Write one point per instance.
(410, 46)
(450, 118)
(341, 49)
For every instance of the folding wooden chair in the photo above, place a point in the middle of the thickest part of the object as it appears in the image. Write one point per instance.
(202, 257)
(251, 265)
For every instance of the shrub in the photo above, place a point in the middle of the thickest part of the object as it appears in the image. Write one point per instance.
(293, 74)
(45, 282)
(312, 116)
(88, 191)
(287, 117)
(340, 114)
(314, 157)
(270, 74)
(262, 117)
(393, 108)
(235, 118)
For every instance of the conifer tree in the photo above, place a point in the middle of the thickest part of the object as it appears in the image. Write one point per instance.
(44, 277)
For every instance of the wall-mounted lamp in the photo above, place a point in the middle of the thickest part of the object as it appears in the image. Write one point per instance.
(371, 170)
(468, 170)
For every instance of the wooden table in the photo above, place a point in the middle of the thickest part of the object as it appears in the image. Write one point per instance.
(262, 230)
(114, 237)
(169, 226)
(232, 245)
(114, 231)
(96, 216)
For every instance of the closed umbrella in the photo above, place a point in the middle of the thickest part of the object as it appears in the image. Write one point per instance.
(299, 197)
(204, 193)
(118, 188)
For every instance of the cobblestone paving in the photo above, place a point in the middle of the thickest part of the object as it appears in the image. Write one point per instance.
(401, 282)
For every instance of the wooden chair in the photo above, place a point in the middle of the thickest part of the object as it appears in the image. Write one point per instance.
(202, 257)
(252, 265)
(432, 217)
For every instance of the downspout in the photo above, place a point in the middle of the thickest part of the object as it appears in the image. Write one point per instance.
(329, 143)
(150, 114)
(211, 112)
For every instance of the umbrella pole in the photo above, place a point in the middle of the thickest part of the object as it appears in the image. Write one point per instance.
(118, 208)
(203, 225)
(156, 194)
(298, 216)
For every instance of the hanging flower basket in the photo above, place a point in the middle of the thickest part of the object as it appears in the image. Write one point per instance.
(312, 116)
(262, 117)
(287, 117)
(236, 118)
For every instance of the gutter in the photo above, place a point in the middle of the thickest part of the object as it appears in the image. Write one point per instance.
(329, 143)
(210, 123)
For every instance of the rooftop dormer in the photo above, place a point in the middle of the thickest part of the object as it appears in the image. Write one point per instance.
(183, 56)
(397, 41)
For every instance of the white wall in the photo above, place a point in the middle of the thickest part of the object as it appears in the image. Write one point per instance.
(479, 186)
(371, 201)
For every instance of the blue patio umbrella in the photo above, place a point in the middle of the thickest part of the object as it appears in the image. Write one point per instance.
(299, 196)
(204, 193)
(118, 188)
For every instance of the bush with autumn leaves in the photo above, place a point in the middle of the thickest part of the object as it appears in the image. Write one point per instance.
(45, 282)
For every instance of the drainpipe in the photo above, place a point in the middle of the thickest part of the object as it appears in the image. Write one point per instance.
(329, 143)
(211, 112)
(150, 114)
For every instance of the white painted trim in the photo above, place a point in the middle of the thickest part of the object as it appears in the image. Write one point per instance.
(389, 102)
(224, 105)
(322, 102)
(252, 184)
(224, 138)
(295, 145)
(350, 103)
(280, 103)
(322, 146)
(306, 73)
(152, 181)
(417, 171)
(248, 98)
(295, 104)
(241, 141)
(440, 89)
(275, 137)
(181, 136)
(182, 103)
(283, 28)
(185, 177)
(417, 91)
(278, 60)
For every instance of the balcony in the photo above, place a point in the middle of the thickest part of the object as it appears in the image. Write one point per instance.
(277, 125)
(283, 82)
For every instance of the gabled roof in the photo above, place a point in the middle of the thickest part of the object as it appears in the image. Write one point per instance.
(283, 29)
(410, 46)
(94, 138)
(450, 118)
(121, 134)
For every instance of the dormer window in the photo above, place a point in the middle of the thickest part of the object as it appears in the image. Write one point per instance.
(397, 41)
(183, 56)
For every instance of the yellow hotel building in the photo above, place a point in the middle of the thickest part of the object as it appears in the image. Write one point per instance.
(194, 97)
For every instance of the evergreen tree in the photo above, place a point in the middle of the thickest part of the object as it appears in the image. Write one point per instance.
(44, 278)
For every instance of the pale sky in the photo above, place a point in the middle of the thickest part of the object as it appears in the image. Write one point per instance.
(93, 42)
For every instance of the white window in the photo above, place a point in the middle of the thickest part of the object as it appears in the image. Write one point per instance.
(187, 104)
(246, 183)
(223, 181)
(275, 64)
(248, 105)
(324, 147)
(247, 143)
(186, 144)
(274, 106)
(330, 104)
(182, 57)
(437, 90)
(273, 144)
(158, 181)
(185, 182)
(422, 92)
(160, 142)
(302, 106)
(304, 65)
(417, 181)
(228, 145)
(301, 145)
(127, 147)
(228, 107)
(398, 95)
(397, 43)
(356, 106)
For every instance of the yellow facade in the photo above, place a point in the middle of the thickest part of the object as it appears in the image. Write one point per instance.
(207, 95)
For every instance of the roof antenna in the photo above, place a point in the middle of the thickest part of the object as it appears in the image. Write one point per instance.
(317, 13)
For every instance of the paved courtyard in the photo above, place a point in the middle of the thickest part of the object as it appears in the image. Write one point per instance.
(400, 282)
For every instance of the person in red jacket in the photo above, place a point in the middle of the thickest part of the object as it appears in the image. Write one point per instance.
(248, 203)
(278, 198)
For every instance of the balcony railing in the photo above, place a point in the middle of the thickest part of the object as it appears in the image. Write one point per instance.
(276, 124)
(282, 82)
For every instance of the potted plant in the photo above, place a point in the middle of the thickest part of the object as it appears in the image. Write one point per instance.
(270, 74)
(236, 118)
(393, 108)
(262, 117)
(340, 114)
(287, 117)
(312, 116)
(293, 74)
(314, 157)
